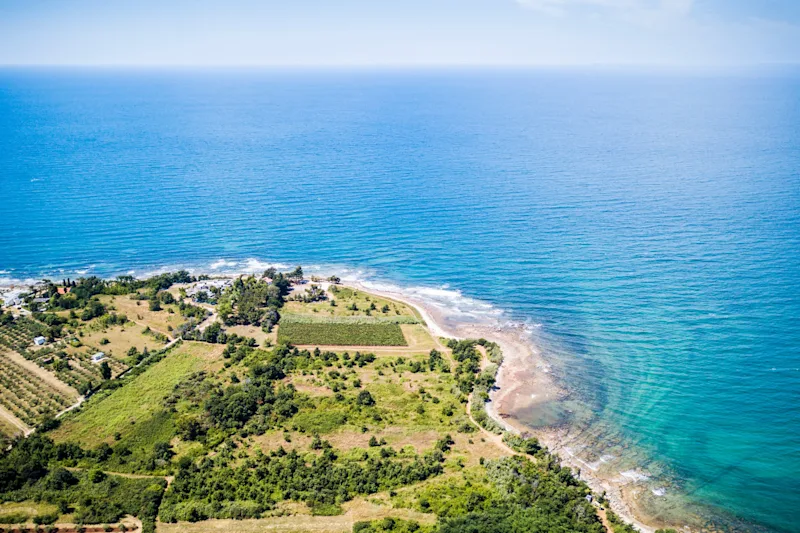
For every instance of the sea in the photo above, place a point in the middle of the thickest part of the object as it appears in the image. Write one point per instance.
(643, 225)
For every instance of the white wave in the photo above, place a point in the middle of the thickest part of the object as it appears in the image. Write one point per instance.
(221, 263)
(256, 266)
(452, 303)
(8, 281)
(659, 491)
(82, 272)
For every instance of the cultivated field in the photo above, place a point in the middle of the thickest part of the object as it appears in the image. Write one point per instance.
(340, 333)
(27, 396)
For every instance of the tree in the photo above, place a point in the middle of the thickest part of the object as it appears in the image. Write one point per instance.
(297, 273)
(365, 398)
(105, 370)
(155, 305)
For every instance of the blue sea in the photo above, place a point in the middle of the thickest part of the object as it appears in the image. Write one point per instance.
(645, 225)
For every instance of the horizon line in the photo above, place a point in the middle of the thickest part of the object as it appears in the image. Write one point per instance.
(398, 66)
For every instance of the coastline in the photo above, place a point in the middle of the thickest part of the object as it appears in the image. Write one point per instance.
(523, 381)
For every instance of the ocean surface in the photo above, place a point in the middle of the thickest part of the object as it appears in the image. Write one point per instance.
(644, 225)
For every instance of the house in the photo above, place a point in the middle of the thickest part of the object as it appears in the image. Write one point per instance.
(39, 341)
(11, 297)
(64, 290)
(99, 356)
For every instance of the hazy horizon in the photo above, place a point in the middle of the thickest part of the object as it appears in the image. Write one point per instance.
(437, 33)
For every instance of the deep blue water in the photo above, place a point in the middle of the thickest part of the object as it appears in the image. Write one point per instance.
(648, 222)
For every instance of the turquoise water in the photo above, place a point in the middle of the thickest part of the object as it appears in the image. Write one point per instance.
(645, 225)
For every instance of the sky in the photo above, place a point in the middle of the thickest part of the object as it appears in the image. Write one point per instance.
(300, 33)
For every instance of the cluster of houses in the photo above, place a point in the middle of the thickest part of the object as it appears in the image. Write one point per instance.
(206, 286)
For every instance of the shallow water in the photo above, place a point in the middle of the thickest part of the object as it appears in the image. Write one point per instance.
(645, 225)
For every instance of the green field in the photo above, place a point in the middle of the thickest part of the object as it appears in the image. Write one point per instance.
(354, 303)
(341, 334)
(127, 408)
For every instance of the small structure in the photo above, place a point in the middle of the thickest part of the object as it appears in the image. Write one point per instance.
(39, 341)
(64, 290)
(99, 356)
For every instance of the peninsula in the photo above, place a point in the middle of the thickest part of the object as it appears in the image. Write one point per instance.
(267, 402)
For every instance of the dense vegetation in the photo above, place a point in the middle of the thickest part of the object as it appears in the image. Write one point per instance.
(518, 495)
(215, 490)
(254, 300)
(29, 472)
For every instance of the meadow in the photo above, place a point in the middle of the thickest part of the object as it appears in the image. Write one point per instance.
(130, 410)
(349, 302)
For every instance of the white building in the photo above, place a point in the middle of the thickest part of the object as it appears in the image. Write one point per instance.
(39, 341)
(207, 285)
(99, 356)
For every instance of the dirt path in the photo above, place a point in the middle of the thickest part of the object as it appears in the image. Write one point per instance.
(169, 479)
(43, 374)
(497, 440)
(208, 321)
(601, 512)
(14, 421)
(75, 405)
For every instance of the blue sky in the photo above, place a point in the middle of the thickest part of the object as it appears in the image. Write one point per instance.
(399, 32)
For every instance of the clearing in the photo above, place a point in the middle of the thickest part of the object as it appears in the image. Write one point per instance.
(138, 311)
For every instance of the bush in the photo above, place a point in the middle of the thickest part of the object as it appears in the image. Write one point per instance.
(13, 518)
(45, 519)
(326, 509)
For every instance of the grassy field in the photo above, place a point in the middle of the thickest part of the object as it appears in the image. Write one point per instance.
(418, 337)
(11, 512)
(129, 409)
(253, 332)
(354, 511)
(120, 340)
(341, 334)
(139, 312)
(345, 298)
(7, 429)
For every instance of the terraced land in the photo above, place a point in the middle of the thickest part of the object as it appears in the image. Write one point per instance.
(27, 396)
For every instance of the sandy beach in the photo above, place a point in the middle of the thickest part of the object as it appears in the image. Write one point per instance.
(524, 383)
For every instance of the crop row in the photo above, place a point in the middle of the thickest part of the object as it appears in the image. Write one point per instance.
(26, 395)
(341, 334)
